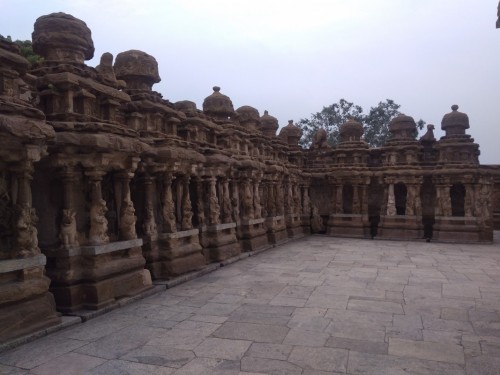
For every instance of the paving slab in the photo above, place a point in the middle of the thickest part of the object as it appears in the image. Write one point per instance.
(431, 351)
(315, 306)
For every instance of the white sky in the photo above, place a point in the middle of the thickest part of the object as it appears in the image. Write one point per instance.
(294, 57)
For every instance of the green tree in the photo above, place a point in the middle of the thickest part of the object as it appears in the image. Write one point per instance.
(26, 49)
(375, 122)
(330, 118)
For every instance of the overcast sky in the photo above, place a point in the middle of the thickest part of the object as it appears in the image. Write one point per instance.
(294, 57)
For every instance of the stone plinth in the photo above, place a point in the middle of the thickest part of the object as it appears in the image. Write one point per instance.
(306, 224)
(294, 226)
(172, 254)
(276, 229)
(219, 242)
(400, 227)
(460, 230)
(348, 225)
(252, 234)
(25, 303)
(93, 277)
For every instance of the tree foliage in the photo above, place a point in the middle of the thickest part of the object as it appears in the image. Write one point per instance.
(26, 47)
(375, 122)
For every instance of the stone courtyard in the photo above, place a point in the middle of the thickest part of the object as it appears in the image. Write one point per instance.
(317, 305)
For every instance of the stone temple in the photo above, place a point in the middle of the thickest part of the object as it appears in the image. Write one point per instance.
(106, 187)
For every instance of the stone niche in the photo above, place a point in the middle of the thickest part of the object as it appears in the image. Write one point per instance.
(106, 187)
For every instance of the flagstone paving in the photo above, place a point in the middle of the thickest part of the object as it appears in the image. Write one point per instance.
(318, 305)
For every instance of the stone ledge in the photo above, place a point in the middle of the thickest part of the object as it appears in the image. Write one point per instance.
(110, 247)
(252, 221)
(181, 234)
(218, 227)
(10, 265)
(72, 251)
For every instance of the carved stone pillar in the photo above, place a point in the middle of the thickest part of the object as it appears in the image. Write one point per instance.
(226, 202)
(339, 206)
(127, 211)
(443, 199)
(288, 198)
(271, 201)
(391, 201)
(168, 210)
(235, 200)
(200, 204)
(25, 218)
(356, 204)
(264, 198)
(296, 199)
(280, 199)
(306, 202)
(213, 202)
(364, 199)
(256, 200)
(68, 234)
(469, 200)
(187, 210)
(410, 199)
(98, 233)
(149, 225)
(247, 199)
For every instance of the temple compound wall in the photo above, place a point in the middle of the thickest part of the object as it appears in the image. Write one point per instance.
(106, 187)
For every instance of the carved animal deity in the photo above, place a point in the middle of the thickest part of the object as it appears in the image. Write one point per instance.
(317, 225)
(248, 200)
(149, 225)
(26, 232)
(68, 234)
(127, 221)
(98, 233)
(320, 139)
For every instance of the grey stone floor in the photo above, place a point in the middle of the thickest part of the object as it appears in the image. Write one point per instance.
(319, 305)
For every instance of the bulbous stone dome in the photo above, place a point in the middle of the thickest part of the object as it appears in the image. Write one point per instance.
(402, 127)
(218, 105)
(455, 122)
(268, 124)
(248, 116)
(291, 133)
(138, 69)
(186, 106)
(351, 131)
(62, 37)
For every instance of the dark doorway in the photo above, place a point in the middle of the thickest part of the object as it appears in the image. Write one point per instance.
(347, 196)
(400, 197)
(428, 198)
(457, 195)
(375, 198)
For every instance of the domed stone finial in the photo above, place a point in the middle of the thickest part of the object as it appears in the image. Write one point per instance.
(217, 105)
(138, 69)
(351, 131)
(268, 124)
(62, 37)
(455, 123)
(248, 116)
(402, 127)
(291, 134)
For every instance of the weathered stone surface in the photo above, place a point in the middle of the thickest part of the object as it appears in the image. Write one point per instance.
(116, 185)
(323, 359)
(431, 351)
(62, 37)
(252, 332)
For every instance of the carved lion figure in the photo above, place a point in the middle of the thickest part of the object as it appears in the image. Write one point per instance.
(68, 234)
